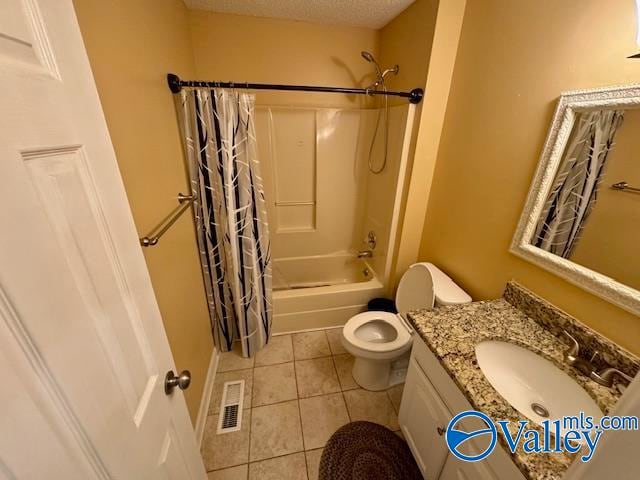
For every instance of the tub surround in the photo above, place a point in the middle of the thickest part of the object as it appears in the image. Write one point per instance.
(521, 318)
(342, 291)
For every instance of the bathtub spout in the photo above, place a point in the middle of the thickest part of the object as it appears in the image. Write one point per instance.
(365, 254)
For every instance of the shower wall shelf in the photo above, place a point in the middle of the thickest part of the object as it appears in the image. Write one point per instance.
(176, 85)
(184, 201)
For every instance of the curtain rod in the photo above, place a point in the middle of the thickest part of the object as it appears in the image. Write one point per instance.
(176, 84)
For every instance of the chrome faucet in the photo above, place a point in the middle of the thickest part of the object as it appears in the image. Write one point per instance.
(572, 357)
(603, 377)
(606, 375)
(365, 254)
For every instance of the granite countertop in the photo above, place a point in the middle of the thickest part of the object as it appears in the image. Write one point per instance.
(452, 332)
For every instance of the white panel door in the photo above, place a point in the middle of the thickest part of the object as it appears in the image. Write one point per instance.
(82, 346)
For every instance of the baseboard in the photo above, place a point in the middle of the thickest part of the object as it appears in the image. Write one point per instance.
(304, 330)
(207, 391)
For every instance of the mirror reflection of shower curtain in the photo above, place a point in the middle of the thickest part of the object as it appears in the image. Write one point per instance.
(230, 215)
(575, 187)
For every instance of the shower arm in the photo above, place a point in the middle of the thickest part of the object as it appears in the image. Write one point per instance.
(176, 85)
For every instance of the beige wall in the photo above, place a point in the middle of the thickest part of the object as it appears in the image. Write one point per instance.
(406, 41)
(610, 241)
(131, 46)
(513, 61)
(265, 50)
(430, 115)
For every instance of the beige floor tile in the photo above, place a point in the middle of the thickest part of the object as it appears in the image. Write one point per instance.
(228, 449)
(273, 384)
(234, 473)
(289, 467)
(344, 366)
(278, 350)
(316, 377)
(218, 386)
(321, 417)
(373, 407)
(234, 360)
(275, 430)
(395, 394)
(313, 463)
(310, 345)
(334, 335)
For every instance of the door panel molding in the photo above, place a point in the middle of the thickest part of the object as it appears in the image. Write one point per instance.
(24, 44)
(59, 402)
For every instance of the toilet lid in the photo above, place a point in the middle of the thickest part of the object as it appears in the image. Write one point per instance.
(415, 290)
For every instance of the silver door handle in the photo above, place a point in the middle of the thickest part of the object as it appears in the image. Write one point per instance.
(182, 381)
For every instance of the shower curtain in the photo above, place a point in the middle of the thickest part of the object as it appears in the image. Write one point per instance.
(576, 185)
(230, 215)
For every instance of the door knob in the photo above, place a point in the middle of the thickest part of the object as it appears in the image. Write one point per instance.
(172, 381)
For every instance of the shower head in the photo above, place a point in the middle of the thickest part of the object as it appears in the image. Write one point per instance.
(367, 56)
(370, 58)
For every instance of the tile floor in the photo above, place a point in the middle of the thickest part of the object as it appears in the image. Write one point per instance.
(298, 391)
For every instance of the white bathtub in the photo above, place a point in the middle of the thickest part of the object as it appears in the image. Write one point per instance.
(321, 291)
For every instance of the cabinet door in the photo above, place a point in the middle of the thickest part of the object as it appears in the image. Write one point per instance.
(423, 418)
(455, 469)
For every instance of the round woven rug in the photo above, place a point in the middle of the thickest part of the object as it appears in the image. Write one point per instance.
(367, 451)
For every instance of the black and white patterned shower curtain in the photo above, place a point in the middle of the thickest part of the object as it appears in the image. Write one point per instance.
(575, 187)
(231, 217)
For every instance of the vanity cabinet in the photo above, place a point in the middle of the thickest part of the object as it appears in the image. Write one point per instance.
(425, 418)
(455, 469)
(430, 399)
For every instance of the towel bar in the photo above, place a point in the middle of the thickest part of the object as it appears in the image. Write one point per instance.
(154, 235)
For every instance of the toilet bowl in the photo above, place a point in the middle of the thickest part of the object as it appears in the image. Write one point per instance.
(381, 341)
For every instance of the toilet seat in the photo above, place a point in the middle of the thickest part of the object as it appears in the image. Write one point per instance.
(378, 363)
(402, 340)
(415, 291)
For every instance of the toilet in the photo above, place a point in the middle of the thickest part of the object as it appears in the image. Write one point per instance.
(381, 341)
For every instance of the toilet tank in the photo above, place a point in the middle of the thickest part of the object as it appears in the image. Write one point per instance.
(445, 290)
(424, 285)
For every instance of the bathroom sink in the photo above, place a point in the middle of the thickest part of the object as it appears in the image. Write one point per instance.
(531, 384)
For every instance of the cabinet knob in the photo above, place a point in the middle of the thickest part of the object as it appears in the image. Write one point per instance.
(440, 431)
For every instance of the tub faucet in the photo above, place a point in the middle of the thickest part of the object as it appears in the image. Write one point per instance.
(365, 254)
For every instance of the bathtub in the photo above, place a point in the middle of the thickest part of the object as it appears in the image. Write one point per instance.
(321, 291)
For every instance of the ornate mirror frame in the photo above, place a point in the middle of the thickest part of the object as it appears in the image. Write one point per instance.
(569, 104)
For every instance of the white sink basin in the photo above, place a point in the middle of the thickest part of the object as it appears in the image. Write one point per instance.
(527, 381)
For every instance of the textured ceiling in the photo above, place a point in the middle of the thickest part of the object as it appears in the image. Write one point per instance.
(361, 13)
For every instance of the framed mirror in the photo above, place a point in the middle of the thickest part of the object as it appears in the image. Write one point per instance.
(581, 219)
